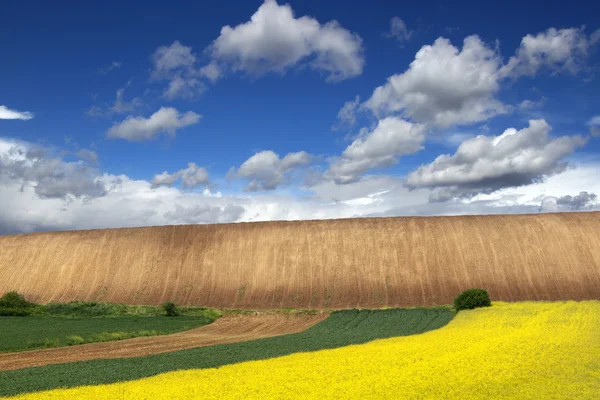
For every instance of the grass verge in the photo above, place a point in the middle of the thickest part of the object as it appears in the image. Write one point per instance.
(341, 328)
(77, 309)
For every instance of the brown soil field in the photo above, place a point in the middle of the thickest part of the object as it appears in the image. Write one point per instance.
(364, 262)
(228, 329)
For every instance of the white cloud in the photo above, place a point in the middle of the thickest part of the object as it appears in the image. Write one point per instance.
(556, 50)
(392, 138)
(166, 119)
(594, 124)
(167, 59)
(49, 177)
(398, 30)
(129, 203)
(274, 41)
(185, 88)
(191, 176)
(176, 63)
(485, 164)
(347, 114)
(549, 204)
(444, 86)
(580, 202)
(120, 105)
(109, 67)
(211, 71)
(165, 179)
(266, 171)
(88, 155)
(7, 113)
(95, 111)
(204, 213)
(527, 104)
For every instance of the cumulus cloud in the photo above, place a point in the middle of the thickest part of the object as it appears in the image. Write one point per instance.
(398, 30)
(130, 203)
(549, 204)
(191, 176)
(581, 202)
(392, 137)
(176, 64)
(555, 49)
(594, 124)
(50, 177)
(167, 59)
(444, 85)
(185, 88)
(274, 40)
(88, 155)
(211, 71)
(577, 202)
(166, 119)
(266, 171)
(485, 164)
(7, 113)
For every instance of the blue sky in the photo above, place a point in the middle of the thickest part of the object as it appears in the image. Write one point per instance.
(135, 114)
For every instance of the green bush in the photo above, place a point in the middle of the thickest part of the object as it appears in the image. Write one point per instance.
(14, 300)
(472, 298)
(170, 309)
(13, 312)
(83, 309)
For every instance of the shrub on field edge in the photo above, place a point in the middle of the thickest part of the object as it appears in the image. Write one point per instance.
(472, 298)
(75, 340)
(170, 309)
(13, 312)
(14, 300)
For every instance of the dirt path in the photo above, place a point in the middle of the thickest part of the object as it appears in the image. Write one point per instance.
(228, 329)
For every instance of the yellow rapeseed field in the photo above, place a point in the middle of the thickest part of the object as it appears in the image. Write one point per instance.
(509, 351)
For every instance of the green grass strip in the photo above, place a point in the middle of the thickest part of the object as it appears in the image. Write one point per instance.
(28, 333)
(341, 328)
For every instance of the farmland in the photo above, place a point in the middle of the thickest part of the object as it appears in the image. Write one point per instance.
(308, 307)
(228, 329)
(508, 351)
(330, 264)
(27, 333)
(75, 323)
(341, 328)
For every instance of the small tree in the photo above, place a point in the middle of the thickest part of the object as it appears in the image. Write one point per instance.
(170, 309)
(472, 298)
(14, 300)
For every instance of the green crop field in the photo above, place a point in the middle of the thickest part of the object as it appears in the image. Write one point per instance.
(27, 333)
(341, 328)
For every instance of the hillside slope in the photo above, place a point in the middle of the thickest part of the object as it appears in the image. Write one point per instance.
(313, 264)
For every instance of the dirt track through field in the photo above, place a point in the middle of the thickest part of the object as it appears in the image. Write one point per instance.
(366, 262)
(228, 329)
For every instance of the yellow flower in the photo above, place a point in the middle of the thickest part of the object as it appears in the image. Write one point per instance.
(509, 351)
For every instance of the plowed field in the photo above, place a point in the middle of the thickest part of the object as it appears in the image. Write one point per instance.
(366, 262)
